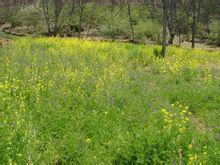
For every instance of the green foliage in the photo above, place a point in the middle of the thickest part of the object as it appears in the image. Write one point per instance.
(148, 29)
(115, 22)
(119, 26)
(28, 16)
(115, 29)
(69, 101)
(214, 35)
(6, 36)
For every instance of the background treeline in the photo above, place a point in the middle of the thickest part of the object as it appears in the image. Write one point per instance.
(135, 20)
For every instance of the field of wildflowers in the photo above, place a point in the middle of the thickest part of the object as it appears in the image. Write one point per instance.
(70, 101)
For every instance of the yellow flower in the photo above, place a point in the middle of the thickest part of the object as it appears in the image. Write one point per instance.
(186, 119)
(195, 157)
(181, 130)
(191, 158)
(164, 111)
(88, 140)
(190, 146)
(184, 111)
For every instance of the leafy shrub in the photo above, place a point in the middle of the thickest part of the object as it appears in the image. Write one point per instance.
(117, 28)
(148, 29)
(28, 16)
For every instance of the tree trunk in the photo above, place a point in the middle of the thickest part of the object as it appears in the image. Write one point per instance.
(151, 8)
(172, 33)
(58, 8)
(179, 39)
(164, 28)
(193, 23)
(208, 25)
(91, 17)
(46, 16)
(55, 29)
(112, 10)
(131, 22)
(80, 22)
(70, 15)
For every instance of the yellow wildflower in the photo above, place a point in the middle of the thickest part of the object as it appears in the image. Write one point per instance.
(190, 146)
(88, 140)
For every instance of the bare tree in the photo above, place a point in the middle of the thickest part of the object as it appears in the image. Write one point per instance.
(193, 22)
(91, 16)
(72, 4)
(81, 4)
(129, 10)
(164, 28)
(7, 8)
(151, 4)
(171, 20)
(45, 7)
(58, 4)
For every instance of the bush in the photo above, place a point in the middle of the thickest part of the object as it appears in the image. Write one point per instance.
(214, 35)
(28, 16)
(148, 30)
(117, 28)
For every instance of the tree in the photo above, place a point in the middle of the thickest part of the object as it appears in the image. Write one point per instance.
(7, 9)
(171, 19)
(164, 28)
(81, 4)
(151, 4)
(91, 16)
(72, 4)
(45, 7)
(193, 23)
(182, 20)
(208, 8)
(128, 3)
(58, 4)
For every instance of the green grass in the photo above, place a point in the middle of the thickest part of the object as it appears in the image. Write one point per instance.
(6, 36)
(74, 101)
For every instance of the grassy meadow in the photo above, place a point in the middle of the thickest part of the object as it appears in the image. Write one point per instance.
(70, 101)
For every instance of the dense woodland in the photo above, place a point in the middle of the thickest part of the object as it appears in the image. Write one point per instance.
(161, 21)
